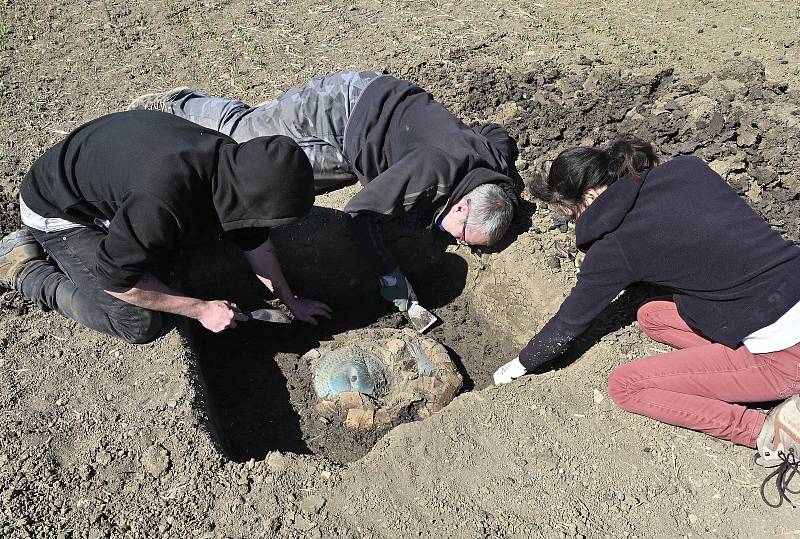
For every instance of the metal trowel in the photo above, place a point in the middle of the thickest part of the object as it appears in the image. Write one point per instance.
(269, 315)
(420, 318)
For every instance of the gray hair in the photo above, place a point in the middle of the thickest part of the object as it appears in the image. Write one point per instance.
(490, 211)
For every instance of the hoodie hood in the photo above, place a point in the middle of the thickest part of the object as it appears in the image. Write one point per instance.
(262, 183)
(608, 211)
(502, 146)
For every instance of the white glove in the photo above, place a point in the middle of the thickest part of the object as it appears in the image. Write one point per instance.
(511, 370)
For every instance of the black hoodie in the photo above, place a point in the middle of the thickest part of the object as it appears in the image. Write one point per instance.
(413, 156)
(410, 151)
(679, 225)
(164, 182)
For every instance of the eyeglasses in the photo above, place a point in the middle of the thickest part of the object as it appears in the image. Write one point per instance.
(463, 239)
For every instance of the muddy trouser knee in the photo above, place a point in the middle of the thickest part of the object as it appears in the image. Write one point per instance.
(68, 286)
(315, 116)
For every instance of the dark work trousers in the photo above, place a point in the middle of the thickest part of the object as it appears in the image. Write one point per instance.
(66, 284)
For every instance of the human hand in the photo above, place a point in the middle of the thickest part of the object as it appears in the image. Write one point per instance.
(511, 370)
(306, 309)
(219, 315)
(396, 288)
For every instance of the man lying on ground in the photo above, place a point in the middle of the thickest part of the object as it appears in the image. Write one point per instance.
(419, 165)
(122, 194)
(734, 312)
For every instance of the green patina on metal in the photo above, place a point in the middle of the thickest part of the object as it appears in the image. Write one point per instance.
(349, 369)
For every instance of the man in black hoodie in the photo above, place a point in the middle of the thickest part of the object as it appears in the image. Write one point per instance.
(121, 194)
(419, 165)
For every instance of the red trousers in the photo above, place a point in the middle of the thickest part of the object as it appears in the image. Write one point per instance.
(698, 385)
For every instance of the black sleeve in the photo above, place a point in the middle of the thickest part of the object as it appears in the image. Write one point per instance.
(498, 138)
(421, 178)
(369, 239)
(604, 274)
(142, 232)
(248, 239)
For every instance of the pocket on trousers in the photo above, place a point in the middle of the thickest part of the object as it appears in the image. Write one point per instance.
(794, 389)
(788, 367)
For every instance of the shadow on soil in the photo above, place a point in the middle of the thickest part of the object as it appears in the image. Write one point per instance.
(620, 314)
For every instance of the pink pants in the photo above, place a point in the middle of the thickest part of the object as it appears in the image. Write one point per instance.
(695, 386)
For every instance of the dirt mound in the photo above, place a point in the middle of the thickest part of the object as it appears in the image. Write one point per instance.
(549, 457)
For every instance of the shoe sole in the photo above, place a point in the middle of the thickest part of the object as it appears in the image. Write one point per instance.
(764, 462)
(16, 239)
(137, 103)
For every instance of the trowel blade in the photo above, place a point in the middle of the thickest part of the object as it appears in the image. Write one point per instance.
(270, 315)
(421, 318)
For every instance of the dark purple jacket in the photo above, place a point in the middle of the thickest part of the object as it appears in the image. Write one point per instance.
(679, 225)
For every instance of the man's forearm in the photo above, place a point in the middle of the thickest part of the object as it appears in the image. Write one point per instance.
(151, 293)
(265, 264)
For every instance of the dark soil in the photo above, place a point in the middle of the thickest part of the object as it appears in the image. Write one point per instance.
(741, 121)
(9, 214)
(104, 440)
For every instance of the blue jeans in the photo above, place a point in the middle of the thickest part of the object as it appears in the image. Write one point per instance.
(315, 116)
(70, 288)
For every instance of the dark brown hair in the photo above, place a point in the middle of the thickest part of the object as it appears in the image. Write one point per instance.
(579, 169)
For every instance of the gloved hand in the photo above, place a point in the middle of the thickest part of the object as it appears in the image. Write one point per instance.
(511, 370)
(396, 288)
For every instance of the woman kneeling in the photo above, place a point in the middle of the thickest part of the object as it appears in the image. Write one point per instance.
(734, 312)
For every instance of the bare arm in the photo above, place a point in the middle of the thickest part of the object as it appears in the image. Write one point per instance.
(153, 294)
(267, 268)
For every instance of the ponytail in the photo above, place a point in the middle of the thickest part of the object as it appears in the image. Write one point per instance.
(579, 169)
(629, 156)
